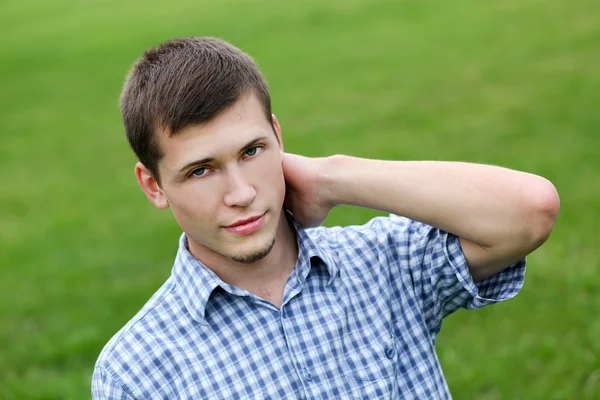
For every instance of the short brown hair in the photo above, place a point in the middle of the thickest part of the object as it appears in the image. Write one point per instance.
(181, 82)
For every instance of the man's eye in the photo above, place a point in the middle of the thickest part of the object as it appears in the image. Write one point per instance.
(252, 151)
(198, 172)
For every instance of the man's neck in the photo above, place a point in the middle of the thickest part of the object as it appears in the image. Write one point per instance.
(265, 278)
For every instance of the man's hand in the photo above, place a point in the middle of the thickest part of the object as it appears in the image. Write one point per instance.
(305, 195)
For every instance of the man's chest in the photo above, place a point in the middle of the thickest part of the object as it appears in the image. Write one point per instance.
(338, 341)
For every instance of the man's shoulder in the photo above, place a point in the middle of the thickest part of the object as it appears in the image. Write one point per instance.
(138, 336)
(363, 248)
(372, 229)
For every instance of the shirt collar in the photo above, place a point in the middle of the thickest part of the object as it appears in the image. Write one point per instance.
(310, 253)
(197, 282)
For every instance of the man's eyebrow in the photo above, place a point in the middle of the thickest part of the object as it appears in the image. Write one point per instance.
(197, 162)
(207, 160)
(253, 142)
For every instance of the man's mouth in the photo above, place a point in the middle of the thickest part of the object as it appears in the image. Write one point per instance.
(247, 225)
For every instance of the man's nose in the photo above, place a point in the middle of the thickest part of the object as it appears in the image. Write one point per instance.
(239, 192)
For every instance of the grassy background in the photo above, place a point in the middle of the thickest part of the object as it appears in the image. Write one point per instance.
(512, 83)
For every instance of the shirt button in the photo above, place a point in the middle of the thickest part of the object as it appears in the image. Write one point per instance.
(308, 376)
(389, 352)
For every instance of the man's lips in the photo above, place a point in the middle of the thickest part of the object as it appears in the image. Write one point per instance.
(244, 221)
(247, 225)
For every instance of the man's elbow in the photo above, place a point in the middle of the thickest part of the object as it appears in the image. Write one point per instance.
(544, 209)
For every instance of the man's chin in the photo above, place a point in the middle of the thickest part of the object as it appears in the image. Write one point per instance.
(251, 257)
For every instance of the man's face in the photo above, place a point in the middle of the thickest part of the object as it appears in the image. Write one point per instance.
(217, 174)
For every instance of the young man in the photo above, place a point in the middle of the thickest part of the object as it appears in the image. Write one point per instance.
(259, 307)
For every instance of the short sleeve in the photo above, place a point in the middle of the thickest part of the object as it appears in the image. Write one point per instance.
(439, 276)
(106, 387)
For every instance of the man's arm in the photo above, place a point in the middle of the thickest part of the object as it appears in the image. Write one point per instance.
(105, 387)
(500, 215)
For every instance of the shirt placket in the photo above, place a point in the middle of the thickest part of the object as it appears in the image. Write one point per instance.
(292, 329)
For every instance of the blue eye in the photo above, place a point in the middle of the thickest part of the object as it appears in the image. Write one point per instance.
(252, 151)
(199, 172)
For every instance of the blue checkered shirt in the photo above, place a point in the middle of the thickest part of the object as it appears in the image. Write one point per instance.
(359, 319)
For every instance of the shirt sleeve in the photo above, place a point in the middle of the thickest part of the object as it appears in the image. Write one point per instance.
(439, 276)
(106, 387)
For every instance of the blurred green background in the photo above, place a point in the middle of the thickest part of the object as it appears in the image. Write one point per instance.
(511, 83)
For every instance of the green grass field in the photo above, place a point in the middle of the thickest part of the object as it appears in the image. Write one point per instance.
(512, 83)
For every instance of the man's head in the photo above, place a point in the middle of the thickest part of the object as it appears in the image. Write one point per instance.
(197, 113)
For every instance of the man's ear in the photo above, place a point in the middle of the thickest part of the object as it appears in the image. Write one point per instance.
(150, 186)
(278, 133)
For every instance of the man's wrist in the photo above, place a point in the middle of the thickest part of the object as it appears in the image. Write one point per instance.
(357, 182)
(331, 180)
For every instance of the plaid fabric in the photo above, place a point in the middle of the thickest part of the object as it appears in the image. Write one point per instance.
(359, 320)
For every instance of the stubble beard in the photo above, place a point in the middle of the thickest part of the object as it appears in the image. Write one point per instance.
(255, 256)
